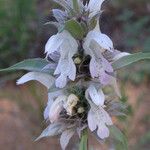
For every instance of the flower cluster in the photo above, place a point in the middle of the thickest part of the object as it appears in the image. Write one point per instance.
(80, 58)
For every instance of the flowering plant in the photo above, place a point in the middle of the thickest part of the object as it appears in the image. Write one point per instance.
(81, 62)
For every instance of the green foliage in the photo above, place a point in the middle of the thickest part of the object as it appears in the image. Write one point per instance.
(127, 60)
(75, 29)
(16, 30)
(119, 137)
(84, 140)
(36, 64)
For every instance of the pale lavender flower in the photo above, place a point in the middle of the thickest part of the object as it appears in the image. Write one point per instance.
(95, 45)
(98, 118)
(67, 46)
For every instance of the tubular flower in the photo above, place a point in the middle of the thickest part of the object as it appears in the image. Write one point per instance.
(67, 46)
(97, 116)
(56, 108)
(95, 44)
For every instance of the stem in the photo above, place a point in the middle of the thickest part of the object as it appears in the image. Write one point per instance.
(84, 140)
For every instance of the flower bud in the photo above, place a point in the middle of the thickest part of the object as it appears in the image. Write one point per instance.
(80, 110)
(72, 100)
(71, 103)
(56, 108)
(77, 60)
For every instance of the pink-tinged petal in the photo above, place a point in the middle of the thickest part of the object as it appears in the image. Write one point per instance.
(107, 65)
(104, 78)
(45, 79)
(65, 138)
(93, 68)
(91, 121)
(103, 131)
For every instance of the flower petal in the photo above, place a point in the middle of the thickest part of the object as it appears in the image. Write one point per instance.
(104, 117)
(65, 138)
(95, 6)
(61, 81)
(91, 121)
(43, 78)
(103, 131)
(56, 108)
(53, 43)
(97, 97)
(51, 97)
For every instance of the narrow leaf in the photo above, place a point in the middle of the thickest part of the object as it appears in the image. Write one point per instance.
(119, 137)
(51, 130)
(84, 140)
(75, 29)
(36, 64)
(127, 60)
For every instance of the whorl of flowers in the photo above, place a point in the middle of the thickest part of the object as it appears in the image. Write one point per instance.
(81, 62)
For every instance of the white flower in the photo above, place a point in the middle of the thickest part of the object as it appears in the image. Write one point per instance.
(51, 98)
(56, 108)
(94, 6)
(95, 44)
(97, 41)
(67, 47)
(98, 118)
(71, 102)
(46, 79)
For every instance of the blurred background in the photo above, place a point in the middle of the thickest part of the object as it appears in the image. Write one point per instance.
(23, 35)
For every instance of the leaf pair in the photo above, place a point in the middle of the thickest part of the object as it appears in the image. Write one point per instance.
(38, 64)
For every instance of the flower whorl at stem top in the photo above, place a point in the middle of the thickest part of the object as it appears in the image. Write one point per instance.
(67, 46)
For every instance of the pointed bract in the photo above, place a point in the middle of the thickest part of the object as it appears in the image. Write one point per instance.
(65, 138)
(45, 79)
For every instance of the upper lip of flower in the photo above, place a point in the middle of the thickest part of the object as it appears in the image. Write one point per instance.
(67, 47)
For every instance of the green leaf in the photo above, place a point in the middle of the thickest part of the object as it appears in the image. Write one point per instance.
(127, 60)
(119, 137)
(36, 64)
(51, 130)
(75, 29)
(84, 140)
